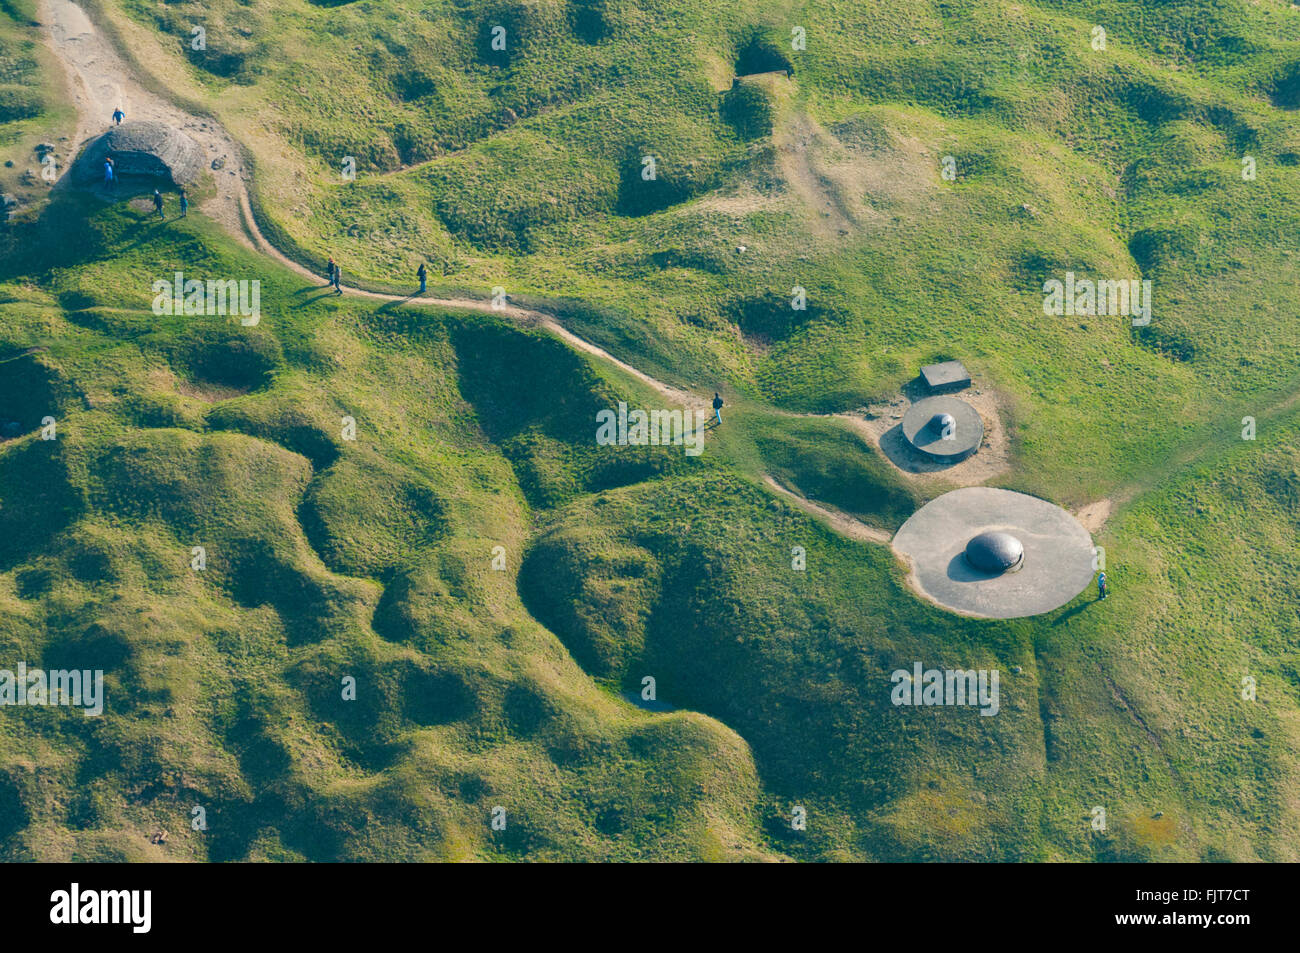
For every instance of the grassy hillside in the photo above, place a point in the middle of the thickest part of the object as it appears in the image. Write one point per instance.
(326, 558)
(524, 169)
(499, 586)
(35, 119)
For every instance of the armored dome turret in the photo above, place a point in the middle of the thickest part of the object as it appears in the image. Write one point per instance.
(995, 552)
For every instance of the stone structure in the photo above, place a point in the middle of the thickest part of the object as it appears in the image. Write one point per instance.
(946, 377)
(143, 150)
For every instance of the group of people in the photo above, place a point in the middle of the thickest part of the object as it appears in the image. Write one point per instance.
(333, 275)
(110, 182)
(158, 202)
(110, 178)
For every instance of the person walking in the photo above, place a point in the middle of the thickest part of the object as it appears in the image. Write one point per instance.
(118, 115)
(338, 275)
(110, 174)
(1102, 591)
(423, 274)
(329, 271)
(158, 203)
(185, 203)
(717, 408)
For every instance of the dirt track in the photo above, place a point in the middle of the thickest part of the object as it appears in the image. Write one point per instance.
(100, 80)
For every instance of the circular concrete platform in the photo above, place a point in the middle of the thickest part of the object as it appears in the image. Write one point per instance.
(925, 423)
(1057, 562)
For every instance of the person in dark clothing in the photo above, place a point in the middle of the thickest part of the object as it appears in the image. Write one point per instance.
(423, 274)
(338, 274)
(158, 203)
(717, 407)
(329, 271)
(118, 115)
(1102, 590)
(185, 204)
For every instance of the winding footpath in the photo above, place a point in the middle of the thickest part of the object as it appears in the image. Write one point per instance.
(100, 80)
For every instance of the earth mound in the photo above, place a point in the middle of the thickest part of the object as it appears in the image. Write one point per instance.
(143, 149)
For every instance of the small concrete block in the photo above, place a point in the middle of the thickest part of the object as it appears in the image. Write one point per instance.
(946, 377)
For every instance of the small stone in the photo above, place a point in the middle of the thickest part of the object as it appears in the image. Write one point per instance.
(219, 163)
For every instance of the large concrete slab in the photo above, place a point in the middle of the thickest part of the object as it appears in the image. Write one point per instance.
(1058, 553)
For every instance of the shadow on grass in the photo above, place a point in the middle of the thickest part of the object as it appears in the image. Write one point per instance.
(1069, 614)
(323, 294)
(397, 303)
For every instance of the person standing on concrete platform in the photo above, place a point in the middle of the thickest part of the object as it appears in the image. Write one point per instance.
(423, 274)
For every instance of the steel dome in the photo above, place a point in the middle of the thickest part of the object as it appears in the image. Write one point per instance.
(995, 551)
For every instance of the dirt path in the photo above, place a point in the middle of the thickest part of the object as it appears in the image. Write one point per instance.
(1094, 515)
(101, 80)
(842, 523)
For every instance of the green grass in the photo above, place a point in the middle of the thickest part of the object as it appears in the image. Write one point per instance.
(476, 688)
(1117, 163)
(32, 109)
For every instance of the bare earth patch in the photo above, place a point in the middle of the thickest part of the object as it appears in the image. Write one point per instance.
(850, 188)
(1094, 515)
(881, 424)
(165, 379)
(100, 81)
